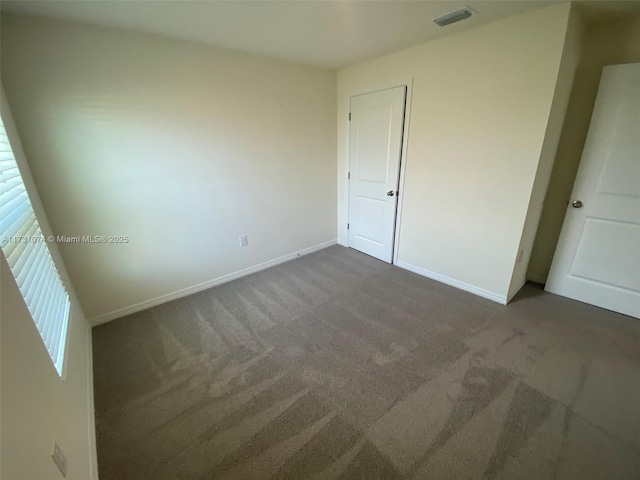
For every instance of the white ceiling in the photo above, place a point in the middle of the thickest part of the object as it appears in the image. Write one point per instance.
(328, 34)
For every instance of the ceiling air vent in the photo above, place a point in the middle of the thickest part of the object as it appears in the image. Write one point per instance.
(453, 17)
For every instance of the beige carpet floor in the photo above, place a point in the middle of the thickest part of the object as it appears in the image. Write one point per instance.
(338, 366)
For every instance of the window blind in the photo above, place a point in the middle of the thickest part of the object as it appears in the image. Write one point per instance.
(27, 253)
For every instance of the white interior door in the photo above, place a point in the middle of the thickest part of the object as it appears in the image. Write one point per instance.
(597, 260)
(374, 163)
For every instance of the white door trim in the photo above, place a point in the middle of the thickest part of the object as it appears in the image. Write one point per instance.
(403, 154)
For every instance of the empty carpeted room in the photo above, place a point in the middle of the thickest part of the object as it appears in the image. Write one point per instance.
(192, 284)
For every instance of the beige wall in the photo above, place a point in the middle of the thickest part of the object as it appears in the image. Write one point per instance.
(37, 407)
(611, 43)
(181, 147)
(480, 104)
(571, 53)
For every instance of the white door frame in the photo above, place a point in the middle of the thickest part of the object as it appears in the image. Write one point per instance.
(403, 155)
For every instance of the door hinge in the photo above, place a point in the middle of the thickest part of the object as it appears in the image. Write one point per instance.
(349, 116)
(347, 226)
(349, 176)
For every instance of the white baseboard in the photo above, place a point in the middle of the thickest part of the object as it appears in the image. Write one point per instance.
(93, 450)
(515, 292)
(541, 279)
(121, 312)
(454, 283)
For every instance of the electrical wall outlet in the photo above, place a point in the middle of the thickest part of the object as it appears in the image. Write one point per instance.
(244, 241)
(520, 255)
(59, 459)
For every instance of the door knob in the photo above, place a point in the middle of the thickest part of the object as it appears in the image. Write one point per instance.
(576, 204)
(390, 193)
